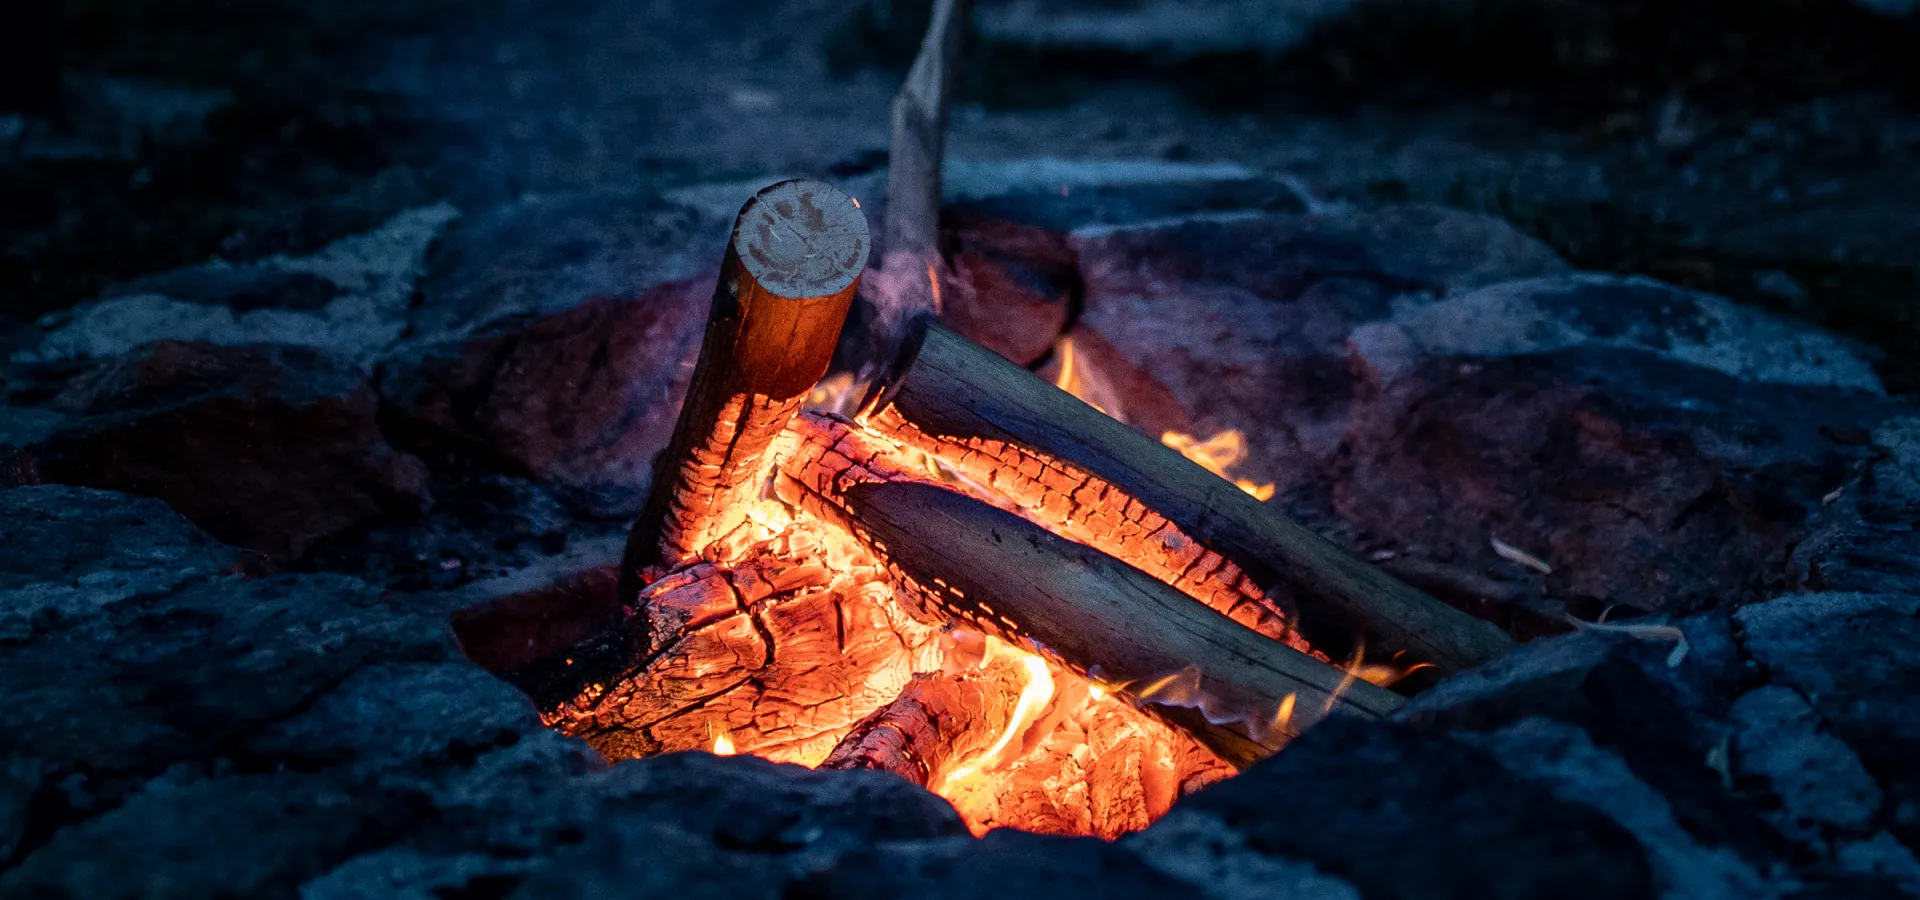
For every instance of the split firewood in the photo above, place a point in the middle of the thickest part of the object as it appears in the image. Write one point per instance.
(786, 282)
(940, 720)
(958, 560)
(990, 418)
(778, 653)
(827, 455)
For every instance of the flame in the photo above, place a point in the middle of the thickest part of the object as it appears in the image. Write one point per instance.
(1034, 697)
(1218, 454)
(934, 281)
(722, 742)
(1352, 674)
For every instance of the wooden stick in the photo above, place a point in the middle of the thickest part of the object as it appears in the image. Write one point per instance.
(920, 132)
(912, 270)
(789, 275)
(984, 410)
(963, 561)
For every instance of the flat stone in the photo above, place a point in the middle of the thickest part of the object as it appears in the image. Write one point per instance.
(72, 552)
(1401, 814)
(350, 299)
(1004, 862)
(583, 397)
(1852, 656)
(1565, 758)
(266, 447)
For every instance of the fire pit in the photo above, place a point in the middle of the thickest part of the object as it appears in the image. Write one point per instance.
(964, 575)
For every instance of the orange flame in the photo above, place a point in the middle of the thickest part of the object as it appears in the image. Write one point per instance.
(1034, 697)
(1218, 454)
(722, 742)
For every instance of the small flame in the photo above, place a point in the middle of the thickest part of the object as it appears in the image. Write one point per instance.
(1283, 717)
(723, 743)
(934, 281)
(1218, 454)
(1034, 697)
(1352, 674)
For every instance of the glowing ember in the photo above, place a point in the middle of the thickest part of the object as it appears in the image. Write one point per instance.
(1033, 698)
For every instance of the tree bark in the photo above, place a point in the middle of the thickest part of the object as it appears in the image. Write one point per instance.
(788, 277)
(994, 420)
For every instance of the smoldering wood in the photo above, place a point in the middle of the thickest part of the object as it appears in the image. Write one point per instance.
(956, 393)
(939, 720)
(790, 270)
(959, 560)
(779, 651)
(828, 455)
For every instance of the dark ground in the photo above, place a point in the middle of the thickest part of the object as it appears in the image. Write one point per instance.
(1762, 150)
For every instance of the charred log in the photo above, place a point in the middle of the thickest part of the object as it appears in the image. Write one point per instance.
(974, 406)
(788, 277)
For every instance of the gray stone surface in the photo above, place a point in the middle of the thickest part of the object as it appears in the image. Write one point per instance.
(270, 447)
(1399, 814)
(1852, 656)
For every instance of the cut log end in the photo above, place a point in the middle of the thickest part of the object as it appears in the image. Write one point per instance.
(802, 239)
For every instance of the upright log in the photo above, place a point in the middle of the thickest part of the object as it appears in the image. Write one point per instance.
(788, 277)
(985, 413)
(1240, 693)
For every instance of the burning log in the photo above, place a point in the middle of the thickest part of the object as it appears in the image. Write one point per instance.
(779, 654)
(826, 455)
(987, 417)
(788, 277)
(940, 720)
(963, 561)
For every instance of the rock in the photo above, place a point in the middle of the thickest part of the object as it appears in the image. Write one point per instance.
(1003, 862)
(1663, 721)
(246, 835)
(509, 622)
(71, 553)
(1619, 429)
(1204, 852)
(1400, 814)
(637, 857)
(1542, 315)
(546, 255)
(1817, 785)
(1640, 481)
(1564, 758)
(1866, 542)
(1852, 656)
(270, 447)
(349, 299)
(403, 873)
(583, 398)
(389, 716)
(1814, 787)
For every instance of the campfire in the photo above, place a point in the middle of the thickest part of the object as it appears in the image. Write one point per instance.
(966, 576)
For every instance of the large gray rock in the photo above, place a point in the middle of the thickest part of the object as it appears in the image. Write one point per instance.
(1400, 814)
(71, 553)
(1853, 657)
(349, 299)
(266, 447)
(1422, 383)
